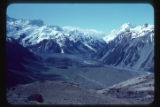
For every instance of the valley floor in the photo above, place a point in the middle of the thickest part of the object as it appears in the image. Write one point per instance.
(84, 85)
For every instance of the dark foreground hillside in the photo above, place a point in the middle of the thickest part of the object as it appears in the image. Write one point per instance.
(50, 92)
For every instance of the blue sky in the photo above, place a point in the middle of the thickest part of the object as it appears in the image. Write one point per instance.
(102, 17)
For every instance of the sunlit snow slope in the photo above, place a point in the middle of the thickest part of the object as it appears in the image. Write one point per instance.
(41, 38)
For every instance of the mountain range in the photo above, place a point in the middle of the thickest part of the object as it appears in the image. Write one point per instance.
(41, 38)
(130, 47)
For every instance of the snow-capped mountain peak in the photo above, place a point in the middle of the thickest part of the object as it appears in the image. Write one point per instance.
(134, 31)
(125, 26)
(31, 33)
(142, 30)
(90, 33)
(130, 47)
(114, 33)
